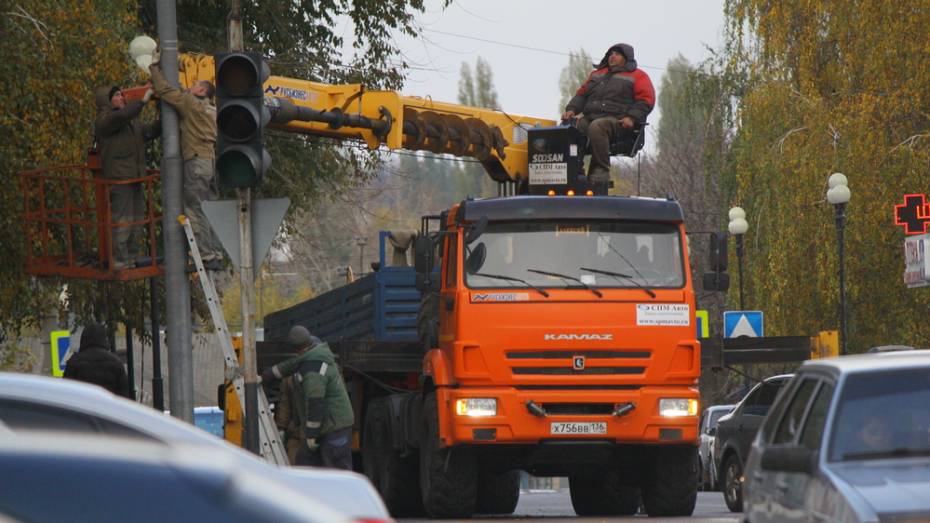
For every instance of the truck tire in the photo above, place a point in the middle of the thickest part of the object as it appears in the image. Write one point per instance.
(498, 493)
(393, 475)
(671, 489)
(448, 476)
(732, 484)
(602, 494)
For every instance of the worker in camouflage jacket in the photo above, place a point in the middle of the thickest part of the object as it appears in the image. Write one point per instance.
(326, 411)
(120, 138)
(198, 139)
(616, 97)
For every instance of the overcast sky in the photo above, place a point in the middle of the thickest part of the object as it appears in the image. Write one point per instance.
(527, 80)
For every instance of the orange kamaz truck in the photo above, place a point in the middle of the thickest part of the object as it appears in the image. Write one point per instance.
(548, 334)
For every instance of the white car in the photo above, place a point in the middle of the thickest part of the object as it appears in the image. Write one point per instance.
(707, 474)
(29, 402)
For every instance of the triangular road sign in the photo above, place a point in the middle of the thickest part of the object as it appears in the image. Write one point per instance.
(267, 215)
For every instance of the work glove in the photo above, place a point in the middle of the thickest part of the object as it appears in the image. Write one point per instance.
(312, 445)
(156, 56)
(148, 95)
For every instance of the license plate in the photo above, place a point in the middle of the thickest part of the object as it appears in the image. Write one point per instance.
(576, 428)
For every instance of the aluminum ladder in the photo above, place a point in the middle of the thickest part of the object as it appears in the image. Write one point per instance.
(272, 449)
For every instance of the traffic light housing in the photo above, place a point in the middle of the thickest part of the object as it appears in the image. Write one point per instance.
(241, 116)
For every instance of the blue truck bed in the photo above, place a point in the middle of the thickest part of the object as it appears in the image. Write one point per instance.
(379, 307)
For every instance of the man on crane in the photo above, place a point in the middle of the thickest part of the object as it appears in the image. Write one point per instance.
(616, 97)
(198, 137)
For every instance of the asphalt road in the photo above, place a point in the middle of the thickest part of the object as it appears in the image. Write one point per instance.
(555, 506)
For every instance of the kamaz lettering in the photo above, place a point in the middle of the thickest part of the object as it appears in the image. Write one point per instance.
(578, 337)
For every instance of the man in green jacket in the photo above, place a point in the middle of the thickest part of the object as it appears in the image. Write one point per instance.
(198, 138)
(326, 411)
(121, 138)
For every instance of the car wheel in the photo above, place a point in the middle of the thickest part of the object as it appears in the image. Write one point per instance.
(733, 483)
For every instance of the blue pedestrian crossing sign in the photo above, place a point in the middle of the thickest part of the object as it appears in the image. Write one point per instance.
(737, 324)
(61, 344)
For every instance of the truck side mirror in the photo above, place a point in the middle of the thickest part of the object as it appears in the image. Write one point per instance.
(718, 251)
(476, 229)
(476, 259)
(716, 281)
(423, 254)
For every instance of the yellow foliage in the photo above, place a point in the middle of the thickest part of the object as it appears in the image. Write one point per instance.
(832, 87)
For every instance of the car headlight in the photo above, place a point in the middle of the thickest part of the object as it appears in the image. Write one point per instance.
(476, 407)
(677, 407)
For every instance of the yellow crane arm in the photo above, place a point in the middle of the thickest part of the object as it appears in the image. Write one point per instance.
(389, 119)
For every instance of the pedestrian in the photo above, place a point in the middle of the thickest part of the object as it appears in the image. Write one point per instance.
(325, 409)
(198, 138)
(616, 97)
(94, 363)
(121, 138)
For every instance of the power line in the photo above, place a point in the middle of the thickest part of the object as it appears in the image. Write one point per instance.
(524, 47)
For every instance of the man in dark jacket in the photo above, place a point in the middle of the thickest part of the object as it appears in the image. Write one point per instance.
(121, 140)
(326, 411)
(94, 363)
(616, 97)
(198, 138)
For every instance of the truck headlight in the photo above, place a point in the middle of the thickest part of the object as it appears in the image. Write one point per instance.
(677, 407)
(476, 407)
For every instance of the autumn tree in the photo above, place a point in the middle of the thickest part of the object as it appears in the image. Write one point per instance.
(829, 87)
(573, 75)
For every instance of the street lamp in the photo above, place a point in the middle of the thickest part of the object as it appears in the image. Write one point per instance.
(838, 194)
(738, 227)
(361, 241)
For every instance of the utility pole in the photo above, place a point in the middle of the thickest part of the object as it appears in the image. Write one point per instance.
(177, 289)
(246, 278)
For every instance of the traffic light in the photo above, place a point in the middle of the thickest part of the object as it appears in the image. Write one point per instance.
(241, 116)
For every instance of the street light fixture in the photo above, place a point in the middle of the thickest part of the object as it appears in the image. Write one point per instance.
(738, 227)
(838, 195)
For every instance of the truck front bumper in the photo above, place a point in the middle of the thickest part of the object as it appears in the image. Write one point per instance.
(587, 414)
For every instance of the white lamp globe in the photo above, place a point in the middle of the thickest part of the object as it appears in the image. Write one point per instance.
(141, 45)
(737, 212)
(837, 179)
(738, 226)
(838, 195)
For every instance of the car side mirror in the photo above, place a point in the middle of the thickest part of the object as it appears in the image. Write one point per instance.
(476, 259)
(712, 431)
(789, 459)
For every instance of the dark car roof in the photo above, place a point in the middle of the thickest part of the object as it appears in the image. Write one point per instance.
(873, 362)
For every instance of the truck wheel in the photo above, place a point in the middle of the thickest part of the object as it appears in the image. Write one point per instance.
(498, 493)
(671, 489)
(732, 483)
(602, 494)
(448, 476)
(394, 476)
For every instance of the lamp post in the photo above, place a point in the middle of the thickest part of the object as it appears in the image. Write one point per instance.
(838, 194)
(738, 227)
(361, 241)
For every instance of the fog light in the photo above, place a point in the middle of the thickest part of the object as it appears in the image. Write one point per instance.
(677, 407)
(476, 407)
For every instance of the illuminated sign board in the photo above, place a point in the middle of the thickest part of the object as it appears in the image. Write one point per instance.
(913, 214)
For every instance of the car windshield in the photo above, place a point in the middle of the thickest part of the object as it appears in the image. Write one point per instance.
(882, 415)
(716, 415)
(562, 254)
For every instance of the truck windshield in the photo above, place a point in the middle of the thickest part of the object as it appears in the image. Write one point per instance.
(600, 254)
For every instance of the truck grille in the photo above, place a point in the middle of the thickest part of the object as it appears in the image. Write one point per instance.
(596, 362)
(578, 408)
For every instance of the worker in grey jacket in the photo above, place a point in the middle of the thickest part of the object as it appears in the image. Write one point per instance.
(326, 411)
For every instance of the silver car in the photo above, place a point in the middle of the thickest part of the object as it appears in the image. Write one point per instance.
(37, 403)
(847, 441)
(707, 473)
